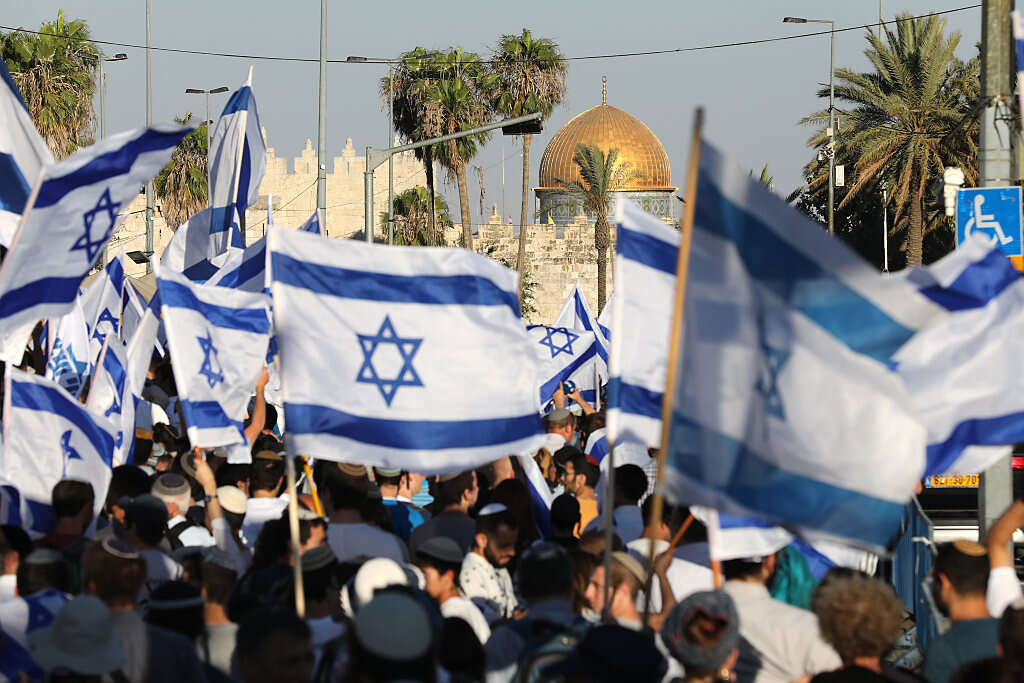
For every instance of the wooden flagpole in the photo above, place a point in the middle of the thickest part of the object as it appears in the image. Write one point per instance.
(675, 342)
(293, 523)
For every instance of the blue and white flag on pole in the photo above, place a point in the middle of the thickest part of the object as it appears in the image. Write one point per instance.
(23, 155)
(111, 395)
(141, 346)
(604, 319)
(246, 271)
(204, 243)
(218, 342)
(68, 361)
(408, 357)
(785, 407)
(49, 436)
(575, 314)
(238, 153)
(20, 616)
(565, 354)
(70, 216)
(315, 224)
(111, 298)
(134, 307)
(597, 444)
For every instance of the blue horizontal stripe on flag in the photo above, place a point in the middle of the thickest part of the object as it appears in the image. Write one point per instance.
(799, 281)
(208, 415)
(979, 283)
(14, 188)
(649, 251)
(1000, 430)
(239, 101)
(47, 290)
(106, 166)
(737, 522)
(634, 399)
(256, 266)
(549, 387)
(176, 295)
(464, 290)
(721, 463)
(116, 274)
(32, 396)
(410, 434)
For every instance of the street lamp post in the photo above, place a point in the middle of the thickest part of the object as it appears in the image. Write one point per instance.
(119, 57)
(831, 110)
(321, 136)
(149, 122)
(214, 91)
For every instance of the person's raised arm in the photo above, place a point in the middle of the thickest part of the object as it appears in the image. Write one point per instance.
(1003, 586)
(578, 397)
(259, 409)
(204, 475)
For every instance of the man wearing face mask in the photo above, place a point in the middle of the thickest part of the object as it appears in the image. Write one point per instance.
(778, 642)
(484, 575)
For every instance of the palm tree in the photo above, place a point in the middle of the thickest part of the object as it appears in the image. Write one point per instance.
(416, 117)
(459, 93)
(181, 184)
(602, 175)
(411, 211)
(910, 117)
(531, 78)
(56, 73)
(765, 178)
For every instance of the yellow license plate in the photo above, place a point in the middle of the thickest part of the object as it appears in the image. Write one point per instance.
(955, 481)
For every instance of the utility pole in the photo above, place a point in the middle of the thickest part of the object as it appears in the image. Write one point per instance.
(995, 490)
(149, 122)
(321, 138)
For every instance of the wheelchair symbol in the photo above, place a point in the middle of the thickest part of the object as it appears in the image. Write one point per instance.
(985, 221)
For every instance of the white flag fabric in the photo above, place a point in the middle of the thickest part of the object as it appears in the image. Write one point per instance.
(575, 314)
(23, 155)
(410, 357)
(565, 354)
(134, 307)
(218, 342)
(68, 362)
(238, 153)
(315, 224)
(204, 243)
(142, 345)
(785, 407)
(70, 216)
(245, 270)
(49, 436)
(604, 319)
(111, 395)
(108, 311)
(20, 616)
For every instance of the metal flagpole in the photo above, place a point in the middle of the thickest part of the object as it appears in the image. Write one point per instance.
(885, 230)
(149, 121)
(675, 344)
(293, 523)
(321, 140)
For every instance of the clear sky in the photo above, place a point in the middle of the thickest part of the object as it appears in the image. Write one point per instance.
(754, 95)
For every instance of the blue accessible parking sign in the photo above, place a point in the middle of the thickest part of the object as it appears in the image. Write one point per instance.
(993, 212)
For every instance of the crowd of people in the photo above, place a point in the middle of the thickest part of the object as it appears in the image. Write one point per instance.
(193, 571)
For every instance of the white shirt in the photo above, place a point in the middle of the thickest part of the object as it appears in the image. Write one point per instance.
(465, 609)
(489, 587)
(223, 537)
(684, 576)
(778, 642)
(258, 511)
(1003, 589)
(192, 536)
(8, 584)
(352, 540)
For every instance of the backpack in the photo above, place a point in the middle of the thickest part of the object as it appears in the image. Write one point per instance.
(546, 643)
(172, 539)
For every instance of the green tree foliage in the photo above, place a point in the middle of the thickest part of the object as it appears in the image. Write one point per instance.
(901, 124)
(412, 226)
(56, 73)
(181, 185)
(530, 78)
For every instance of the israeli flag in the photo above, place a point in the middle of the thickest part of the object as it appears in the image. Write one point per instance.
(218, 339)
(23, 155)
(597, 444)
(315, 225)
(410, 357)
(565, 354)
(143, 343)
(70, 216)
(110, 395)
(246, 271)
(68, 362)
(108, 313)
(49, 436)
(785, 408)
(133, 308)
(20, 616)
(604, 320)
(238, 153)
(575, 314)
(204, 243)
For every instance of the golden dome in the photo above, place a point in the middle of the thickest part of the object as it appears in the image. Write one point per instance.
(607, 127)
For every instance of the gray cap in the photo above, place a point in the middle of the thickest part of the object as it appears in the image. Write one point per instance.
(441, 548)
(713, 615)
(317, 558)
(388, 471)
(215, 556)
(558, 415)
(394, 627)
(170, 484)
(145, 507)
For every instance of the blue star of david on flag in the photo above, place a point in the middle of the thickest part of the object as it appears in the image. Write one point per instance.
(768, 384)
(549, 340)
(212, 375)
(407, 348)
(105, 316)
(68, 451)
(92, 246)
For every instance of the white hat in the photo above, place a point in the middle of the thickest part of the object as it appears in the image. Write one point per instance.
(148, 414)
(380, 572)
(232, 499)
(82, 639)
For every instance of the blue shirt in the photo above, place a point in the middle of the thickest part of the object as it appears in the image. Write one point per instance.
(405, 517)
(965, 642)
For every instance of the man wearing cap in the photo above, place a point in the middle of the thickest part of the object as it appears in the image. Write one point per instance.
(778, 642)
(455, 494)
(145, 525)
(176, 494)
(81, 640)
(484, 575)
(404, 515)
(320, 586)
(264, 502)
(561, 422)
(959, 578)
(440, 559)
(344, 488)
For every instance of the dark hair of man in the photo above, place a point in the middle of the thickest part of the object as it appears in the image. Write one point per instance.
(32, 578)
(14, 538)
(347, 493)
(740, 569)
(631, 482)
(70, 496)
(231, 473)
(550, 576)
(265, 475)
(234, 519)
(127, 480)
(593, 542)
(581, 465)
(267, 442)
(488, 524)
(460, 652)
(449, 492)
(181, 611)
(149, 531)
(219, 583)
(967, 573)
(117, 580)
(1011, 638)
(565, 513)
(317, 582)
(271, 544)
(305, 526)
(270, 421)
(387, 481)
(263, 626)
(424, 561)
(583, 566)
(594, 421)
